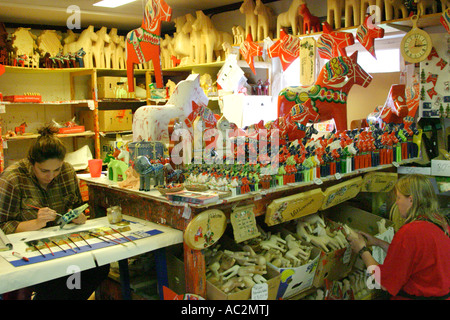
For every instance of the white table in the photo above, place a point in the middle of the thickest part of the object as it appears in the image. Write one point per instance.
(13, 278)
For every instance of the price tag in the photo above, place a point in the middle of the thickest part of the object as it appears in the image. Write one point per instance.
(2, 108)
(318, 181)
(338, 176)
(395, 164)
(260, 291)
(186, 211)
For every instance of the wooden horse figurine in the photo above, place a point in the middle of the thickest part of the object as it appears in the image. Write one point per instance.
(211, 38)
(394, 109)
(327, 98)
(290, 18)
(335, 9)
(85, 41)
(143, 43)
(310, 22)
(251, 19)
(181, 39)
(366, 35)
(265, 18)
(394, 9)
(333, 43)
(109, 50)
(98, 48)
(287, 48)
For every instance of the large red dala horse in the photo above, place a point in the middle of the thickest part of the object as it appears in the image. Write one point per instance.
(327, 98)
(143, 43)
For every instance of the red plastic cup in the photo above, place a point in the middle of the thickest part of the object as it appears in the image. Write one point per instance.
(95, 167)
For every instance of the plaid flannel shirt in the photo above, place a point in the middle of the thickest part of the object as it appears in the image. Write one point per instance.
(19, 188)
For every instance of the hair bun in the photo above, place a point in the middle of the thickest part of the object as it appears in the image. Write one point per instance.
(47, 130)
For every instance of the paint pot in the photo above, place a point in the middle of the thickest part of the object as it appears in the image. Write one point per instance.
(95, 167)
(114, 214)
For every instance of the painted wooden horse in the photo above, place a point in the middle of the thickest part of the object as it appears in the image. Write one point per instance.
(367, 34)
(333, 43)
(327, 98)
(310, 22)
(143, 43)
(394, 109)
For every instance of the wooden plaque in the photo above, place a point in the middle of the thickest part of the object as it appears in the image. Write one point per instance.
(341, 192)
(205, 229)
(379, 182)
(293, 207)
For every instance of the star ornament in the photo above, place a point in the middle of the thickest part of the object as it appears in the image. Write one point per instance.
(249, 51)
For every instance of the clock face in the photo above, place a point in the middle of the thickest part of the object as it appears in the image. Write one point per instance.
(416, 47)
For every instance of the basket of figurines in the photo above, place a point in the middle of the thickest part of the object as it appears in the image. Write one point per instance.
(169, 188)
(196, 187)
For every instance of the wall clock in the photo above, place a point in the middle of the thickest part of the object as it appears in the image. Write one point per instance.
(416, 44)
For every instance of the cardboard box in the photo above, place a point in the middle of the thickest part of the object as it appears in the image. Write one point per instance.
(108, 120)
(114, 88)
(361, 220)
(334, 265)
(273, 282)
(296, 280)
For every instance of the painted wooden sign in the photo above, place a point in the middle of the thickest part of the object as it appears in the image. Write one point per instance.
(244, 223)
(379, 182)
(307, 61)
(293, 207)
(205, 229)
(341, 192)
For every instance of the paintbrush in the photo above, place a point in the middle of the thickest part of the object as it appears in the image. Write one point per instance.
(58, 246)
(74, 243)
(58, 214)
(69, 246)
(48, 247)
(38, 250)
(122, 235)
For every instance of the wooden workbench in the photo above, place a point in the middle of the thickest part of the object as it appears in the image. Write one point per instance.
(152, 206)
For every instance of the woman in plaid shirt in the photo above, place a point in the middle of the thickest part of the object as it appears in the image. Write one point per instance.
(43, 180)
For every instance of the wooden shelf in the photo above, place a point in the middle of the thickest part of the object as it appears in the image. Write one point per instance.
(60, 135)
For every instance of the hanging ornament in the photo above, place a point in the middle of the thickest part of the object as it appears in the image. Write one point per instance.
(366, 35)
(287, 48)
(332, 44)
(249, 51)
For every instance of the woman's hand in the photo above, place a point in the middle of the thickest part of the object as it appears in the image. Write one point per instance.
(45, 215)
(357, 241)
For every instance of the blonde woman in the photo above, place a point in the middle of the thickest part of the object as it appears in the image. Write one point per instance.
(417, 265)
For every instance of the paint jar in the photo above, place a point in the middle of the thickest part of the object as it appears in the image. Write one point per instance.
(114, 214)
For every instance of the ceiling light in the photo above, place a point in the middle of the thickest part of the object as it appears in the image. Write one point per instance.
(112, 3)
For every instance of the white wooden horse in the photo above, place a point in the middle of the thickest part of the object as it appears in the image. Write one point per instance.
(265, 20)
(211, 38)
(98, 51)
(70, 37)
(182, 40)
(109, 50)
(120, 54)
(335, 11)
(251, 18)
(290, 18)
(395, 9)
(150, 123)
(85, 42)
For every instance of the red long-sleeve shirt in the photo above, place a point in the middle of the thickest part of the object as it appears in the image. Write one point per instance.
(417, 261)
